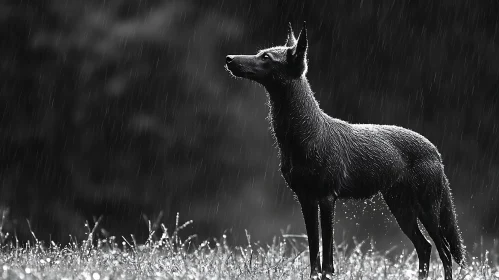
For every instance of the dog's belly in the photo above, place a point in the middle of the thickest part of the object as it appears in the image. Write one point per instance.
(364, 182)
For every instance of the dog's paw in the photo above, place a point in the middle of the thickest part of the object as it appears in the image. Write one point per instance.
(315, 276)
(327, 276)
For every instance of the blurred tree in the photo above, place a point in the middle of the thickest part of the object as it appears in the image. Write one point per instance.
(122, 108)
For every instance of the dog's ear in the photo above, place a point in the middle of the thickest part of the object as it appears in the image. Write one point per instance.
(297, 54)
(291, 40)
(302, 44)
(299, 50)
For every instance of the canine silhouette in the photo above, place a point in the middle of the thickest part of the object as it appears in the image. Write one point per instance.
(324, 158)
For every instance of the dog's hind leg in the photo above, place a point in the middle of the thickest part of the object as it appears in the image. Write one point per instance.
(430, 222)
(433, 194)
(430, 218)
(403, 204)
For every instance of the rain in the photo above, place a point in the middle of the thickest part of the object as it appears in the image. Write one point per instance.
(118, 119)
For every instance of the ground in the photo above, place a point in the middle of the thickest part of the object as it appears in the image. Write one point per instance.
(166, 256)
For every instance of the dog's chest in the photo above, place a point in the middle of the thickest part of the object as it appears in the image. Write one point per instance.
(302, 166)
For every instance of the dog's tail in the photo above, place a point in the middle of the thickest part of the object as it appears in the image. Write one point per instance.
(449, 227)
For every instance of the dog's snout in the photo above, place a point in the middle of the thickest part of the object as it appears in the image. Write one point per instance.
(229, 58)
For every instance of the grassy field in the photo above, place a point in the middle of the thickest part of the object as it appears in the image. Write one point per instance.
(168, 257)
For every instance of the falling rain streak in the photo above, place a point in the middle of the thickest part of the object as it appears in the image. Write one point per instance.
(122, 109)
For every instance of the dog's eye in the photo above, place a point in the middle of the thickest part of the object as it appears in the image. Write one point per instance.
(265, 56)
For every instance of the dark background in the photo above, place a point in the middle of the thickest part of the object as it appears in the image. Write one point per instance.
(122, 108)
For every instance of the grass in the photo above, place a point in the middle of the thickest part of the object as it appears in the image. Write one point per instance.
(169, 257)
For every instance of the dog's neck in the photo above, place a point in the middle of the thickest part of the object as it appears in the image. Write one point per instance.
(295, 115)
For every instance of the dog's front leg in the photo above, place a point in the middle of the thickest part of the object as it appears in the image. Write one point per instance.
(327, 205)
(310, 210)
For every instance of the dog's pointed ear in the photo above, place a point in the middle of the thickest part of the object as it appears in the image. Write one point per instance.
(302, 44)
(291, 40)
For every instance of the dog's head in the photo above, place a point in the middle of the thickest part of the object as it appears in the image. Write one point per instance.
(273, 64)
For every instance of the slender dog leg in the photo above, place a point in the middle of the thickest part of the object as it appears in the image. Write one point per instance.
(404, 206)
(310, 212)
(327, 206)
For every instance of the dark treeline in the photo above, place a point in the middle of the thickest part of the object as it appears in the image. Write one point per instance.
(122, 108)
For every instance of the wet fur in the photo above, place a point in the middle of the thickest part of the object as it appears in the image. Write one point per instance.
(323, 159)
